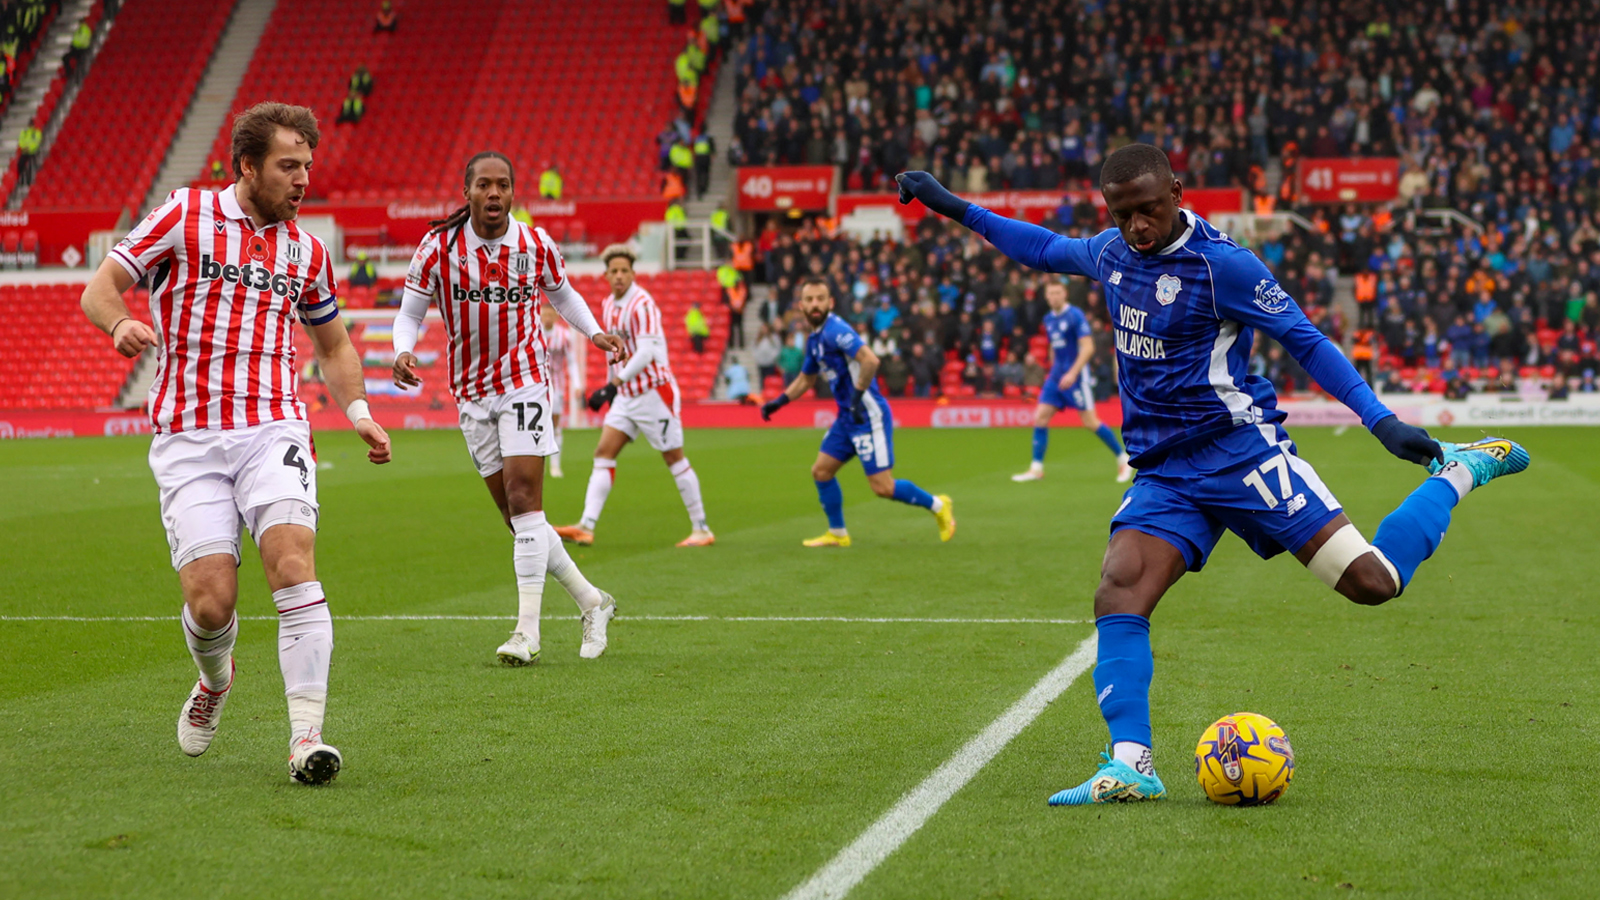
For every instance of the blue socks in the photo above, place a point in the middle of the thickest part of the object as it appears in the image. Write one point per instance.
(1041, 441)
(1413, 531)
(1122, 676)
(907, 492)
(832, 501)
(1105, 433)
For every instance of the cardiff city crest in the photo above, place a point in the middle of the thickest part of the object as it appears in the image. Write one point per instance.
(1167, 288)
(1271, 296)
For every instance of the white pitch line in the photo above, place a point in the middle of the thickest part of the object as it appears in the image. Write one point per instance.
(621, 618)
(836, 879)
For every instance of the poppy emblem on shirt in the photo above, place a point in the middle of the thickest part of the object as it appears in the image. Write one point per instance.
(494, 273)
(1167, 288)
(256, 249)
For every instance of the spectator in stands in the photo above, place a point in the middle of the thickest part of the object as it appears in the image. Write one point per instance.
(28, 144)
(734, 295)
(923, 369)
(738, 382)
(1010, 373)
(766, 351)
(703, 149)
(896, 374)
(363, 273)
(681, 160)
(694, 322)
(361, 81)
(353, 109)
(387, 19)
(218, 172)
(550, 183)
(78, 50)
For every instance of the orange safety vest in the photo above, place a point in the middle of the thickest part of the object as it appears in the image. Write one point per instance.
(1265, 204)
(672, 187)
(1366, 287)
(686, 94)
(1363, 346)
(735, 11)
(744, 256)
(737, 295)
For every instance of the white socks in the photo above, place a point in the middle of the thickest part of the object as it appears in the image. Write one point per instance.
(689, 490)
(555, 458)
(212, 650)
(305, 648)
(601, 478)
(565, 572)
(530, 558)
(1459, 477)
(1136, 755)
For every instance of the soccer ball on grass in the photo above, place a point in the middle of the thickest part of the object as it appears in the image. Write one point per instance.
(1244, 760)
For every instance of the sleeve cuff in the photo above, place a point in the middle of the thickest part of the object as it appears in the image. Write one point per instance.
(128, 263)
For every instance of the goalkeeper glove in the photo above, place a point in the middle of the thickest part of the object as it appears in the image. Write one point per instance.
(601, 397)
(772, 406)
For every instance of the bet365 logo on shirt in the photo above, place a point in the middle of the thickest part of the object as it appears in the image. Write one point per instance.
(495, 293)
(256, 278)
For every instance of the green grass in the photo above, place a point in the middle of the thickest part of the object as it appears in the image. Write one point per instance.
(1447, 741)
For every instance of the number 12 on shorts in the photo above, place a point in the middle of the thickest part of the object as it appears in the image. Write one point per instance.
(523, 409)
(1278, 464)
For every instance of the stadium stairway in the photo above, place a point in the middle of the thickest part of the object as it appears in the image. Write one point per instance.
(36, 81)
(208, 110)
(718, 124)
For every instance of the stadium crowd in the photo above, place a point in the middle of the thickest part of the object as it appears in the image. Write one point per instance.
(1490, 107)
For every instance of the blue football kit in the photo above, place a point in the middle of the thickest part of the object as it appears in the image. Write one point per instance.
(831, 352)
(1065, 329)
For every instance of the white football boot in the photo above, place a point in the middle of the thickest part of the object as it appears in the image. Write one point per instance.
(594, 627)
(197, 723)
(1035, 473)
(313, 762)
(520, 650)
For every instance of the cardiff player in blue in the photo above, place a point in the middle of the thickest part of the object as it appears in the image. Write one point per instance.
(864, 427)
(1207, 437)
(1069, 384)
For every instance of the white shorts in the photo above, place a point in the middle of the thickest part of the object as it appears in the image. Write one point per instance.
(655, 414)
(211, 482)
(516, 423)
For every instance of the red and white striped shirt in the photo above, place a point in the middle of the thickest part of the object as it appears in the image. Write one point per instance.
(489, 294)
(223, 295)
(630, 318)
(557, 346)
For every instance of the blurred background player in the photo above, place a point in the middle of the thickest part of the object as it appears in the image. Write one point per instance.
(1069, 383)
(644, 399)
(1207, 436)
(229, 448)
(488, 272)
(557, 341)
(864, 426)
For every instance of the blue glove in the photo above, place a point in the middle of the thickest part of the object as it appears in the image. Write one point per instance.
(926, 188)
(1407, 442)
(858, 408)
(772, 406)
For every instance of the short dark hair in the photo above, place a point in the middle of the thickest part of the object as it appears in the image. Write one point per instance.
(813, 279)
(254, 129)
(1135, 161)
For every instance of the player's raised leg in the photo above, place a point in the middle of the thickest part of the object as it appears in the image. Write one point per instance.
(900, 490)
(1374, 573)
(825, 473)
(1137, 570)
(305, 633)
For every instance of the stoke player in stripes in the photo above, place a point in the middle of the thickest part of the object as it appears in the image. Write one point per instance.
(229, 271)
(489, 273)
(557, 344)
(644, 400)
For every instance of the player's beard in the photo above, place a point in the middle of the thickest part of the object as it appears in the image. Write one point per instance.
(816, 319)
(272, 210)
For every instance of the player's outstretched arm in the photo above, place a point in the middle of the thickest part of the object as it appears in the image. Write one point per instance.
(102, 303)
(341, 371)
(1246, 292)
(1029, 244)
(407, 325)
(796, 389)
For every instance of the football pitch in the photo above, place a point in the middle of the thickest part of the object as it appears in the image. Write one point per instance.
(761, 706)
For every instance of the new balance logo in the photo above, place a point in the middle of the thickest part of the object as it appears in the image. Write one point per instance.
(1116, 278)
(1104, 694)
(1296, 504)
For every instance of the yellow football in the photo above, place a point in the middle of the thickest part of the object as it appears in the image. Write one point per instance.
(1244, 760)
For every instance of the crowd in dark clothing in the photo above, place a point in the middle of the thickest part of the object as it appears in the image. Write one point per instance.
(1492, 109)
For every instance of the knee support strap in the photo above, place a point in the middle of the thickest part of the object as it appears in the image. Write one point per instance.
(1344, 547)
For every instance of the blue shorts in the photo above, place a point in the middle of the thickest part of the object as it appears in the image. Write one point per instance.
(1079, 396)
(872, 440)
(1247, 480)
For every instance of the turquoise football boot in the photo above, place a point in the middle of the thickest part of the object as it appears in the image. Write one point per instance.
(1487, 459)
(1115, 782)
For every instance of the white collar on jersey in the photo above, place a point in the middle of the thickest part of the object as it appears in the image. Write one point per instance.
(229, 201)
(1177, 245)
(474, 242)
